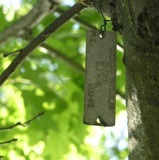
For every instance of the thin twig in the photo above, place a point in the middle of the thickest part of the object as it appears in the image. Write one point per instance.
(9, 141)
(39, 39)
(11, 53)
(10, 127)
(31, 120)
(22, 124)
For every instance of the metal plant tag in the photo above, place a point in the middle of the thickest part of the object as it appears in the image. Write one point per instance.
(100, 79)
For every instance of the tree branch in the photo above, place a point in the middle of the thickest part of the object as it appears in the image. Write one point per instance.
(18, 28)
(79, 20)
(22, 124)
(39, 39)
(9, 141)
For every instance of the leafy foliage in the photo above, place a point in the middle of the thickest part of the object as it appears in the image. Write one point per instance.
(47, 82)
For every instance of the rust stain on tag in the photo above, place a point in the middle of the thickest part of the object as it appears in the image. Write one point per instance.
(100, 79)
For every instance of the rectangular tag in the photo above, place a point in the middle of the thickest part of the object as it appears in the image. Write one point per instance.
(100, 79)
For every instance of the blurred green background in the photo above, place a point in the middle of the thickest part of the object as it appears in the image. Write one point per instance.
(51, 79)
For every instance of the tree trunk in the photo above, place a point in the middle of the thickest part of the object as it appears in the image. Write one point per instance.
(138, 22)
(141, 43)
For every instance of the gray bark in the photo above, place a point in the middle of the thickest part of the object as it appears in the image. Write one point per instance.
(138, 22)
(140, 36)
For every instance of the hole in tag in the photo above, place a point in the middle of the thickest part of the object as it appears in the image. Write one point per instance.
(101, 35)
(100, 121)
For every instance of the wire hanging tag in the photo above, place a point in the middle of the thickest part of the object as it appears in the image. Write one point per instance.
(102, 29)
(103, 26)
